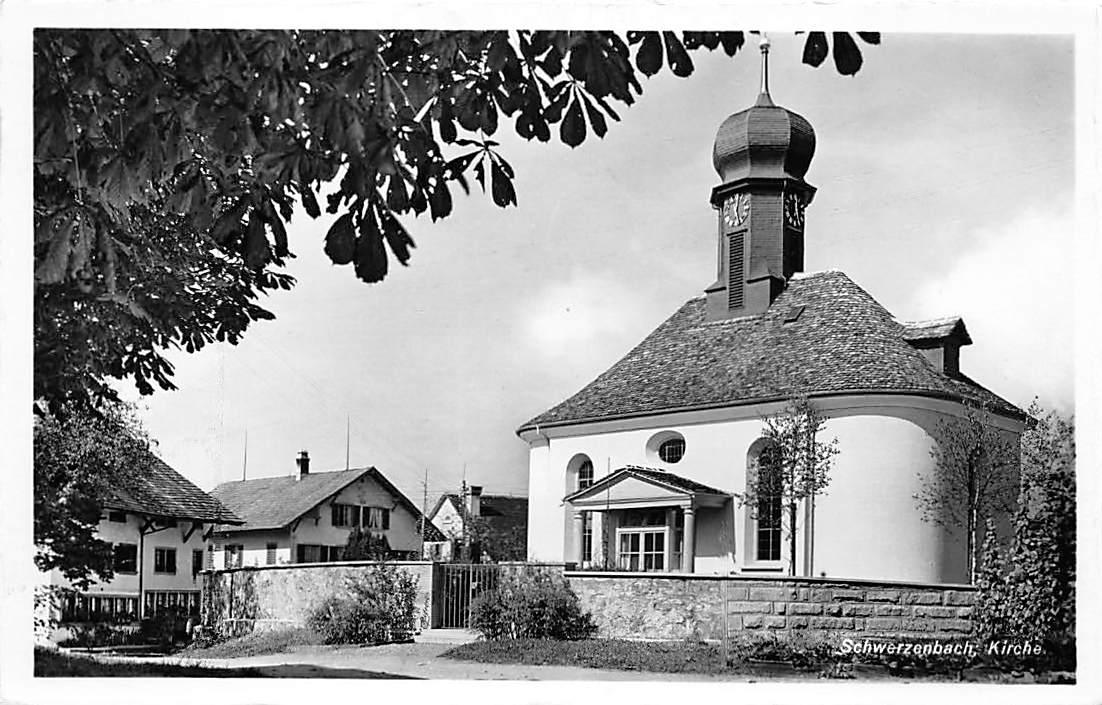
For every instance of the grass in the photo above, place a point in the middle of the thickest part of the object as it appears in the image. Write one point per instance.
(614, 654)
(274, 641)
(49, 663)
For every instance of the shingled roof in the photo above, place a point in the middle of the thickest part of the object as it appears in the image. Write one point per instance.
(842, 341)
(158, 490)
(276, 502)
(935, 329)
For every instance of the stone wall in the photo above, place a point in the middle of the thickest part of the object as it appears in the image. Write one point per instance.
(266, 597)
(634, 606)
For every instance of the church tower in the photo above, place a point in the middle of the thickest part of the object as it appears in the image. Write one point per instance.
(761, 155)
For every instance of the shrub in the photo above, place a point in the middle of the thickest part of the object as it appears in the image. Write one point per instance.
(378, 606)
(531, 606)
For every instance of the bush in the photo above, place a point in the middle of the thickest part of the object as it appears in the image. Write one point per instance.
(379, 606)
(531, 606)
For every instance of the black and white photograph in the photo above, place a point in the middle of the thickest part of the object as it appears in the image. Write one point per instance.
(716, 353)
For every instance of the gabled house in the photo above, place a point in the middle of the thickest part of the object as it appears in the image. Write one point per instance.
(307, 517)
(158, 523)
(641, 469)
(496, 526)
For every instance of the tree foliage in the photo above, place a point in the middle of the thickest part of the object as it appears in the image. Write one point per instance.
(1028, 591)
(363, 545)
(78, 458)
(169, 162)
(974, 478)
(793, 467)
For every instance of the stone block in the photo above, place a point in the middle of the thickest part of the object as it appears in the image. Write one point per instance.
(935, 611)
(831, 623)
(820, 595)
(772, 593)
(803, 594)
(751, 621)
(737, 592)
(774, 622)
(847, 595)
(882, 624)
(834, 610)
(797, 622)
(779, 607)
(916, 625)
(964, 612)
(859, 610)
(954, 625)
(889, 610)
(882, 596)
(745, 607)
(960, 598)
(922, 598)
(805, 608)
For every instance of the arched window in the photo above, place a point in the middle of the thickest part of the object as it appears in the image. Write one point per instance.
(585, 474)
(767, 534)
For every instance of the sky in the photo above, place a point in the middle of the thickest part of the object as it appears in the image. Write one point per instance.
(945, 172)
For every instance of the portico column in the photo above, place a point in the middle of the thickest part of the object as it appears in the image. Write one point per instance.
(688, 550)
(577, 538)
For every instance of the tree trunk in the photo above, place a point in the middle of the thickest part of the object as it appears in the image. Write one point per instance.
(972, 512)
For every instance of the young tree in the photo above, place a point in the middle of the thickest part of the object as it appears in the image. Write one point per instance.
(794, 467)
(366, 546)
(168, 162)
(974, 477)
(1029, 592)
(77, 462)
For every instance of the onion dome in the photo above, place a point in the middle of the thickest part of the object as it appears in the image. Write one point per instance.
(764, 141)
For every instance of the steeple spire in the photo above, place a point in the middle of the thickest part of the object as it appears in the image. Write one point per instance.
(763, 94)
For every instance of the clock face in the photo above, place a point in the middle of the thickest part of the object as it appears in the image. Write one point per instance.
(794, 210)
(736, 210)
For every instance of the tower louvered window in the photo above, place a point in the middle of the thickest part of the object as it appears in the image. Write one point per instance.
(736, 258)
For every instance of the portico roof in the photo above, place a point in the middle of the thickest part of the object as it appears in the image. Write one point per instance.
(633, 486)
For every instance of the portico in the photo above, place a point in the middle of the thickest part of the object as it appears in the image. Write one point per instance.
(648, 519)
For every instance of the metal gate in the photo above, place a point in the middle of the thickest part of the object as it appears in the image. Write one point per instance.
(458, 585)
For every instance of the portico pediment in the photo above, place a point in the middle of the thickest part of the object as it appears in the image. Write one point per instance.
(633, 486)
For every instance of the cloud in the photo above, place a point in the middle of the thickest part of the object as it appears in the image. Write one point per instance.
(1015, 289)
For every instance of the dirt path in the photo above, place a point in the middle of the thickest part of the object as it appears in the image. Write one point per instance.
(423, 661)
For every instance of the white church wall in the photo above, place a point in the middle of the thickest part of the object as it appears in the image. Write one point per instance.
(867, 526)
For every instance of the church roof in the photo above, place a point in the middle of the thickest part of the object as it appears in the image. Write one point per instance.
(822, 335)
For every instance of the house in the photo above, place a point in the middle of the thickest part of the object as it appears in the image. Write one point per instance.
(307, 517)
(158, 523)
(640, 470)
(500, 533)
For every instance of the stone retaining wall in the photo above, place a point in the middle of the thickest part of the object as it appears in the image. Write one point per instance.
(264, 597)
(632, 606)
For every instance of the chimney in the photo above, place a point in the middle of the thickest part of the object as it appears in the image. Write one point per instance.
(303, 462)
(474, 501)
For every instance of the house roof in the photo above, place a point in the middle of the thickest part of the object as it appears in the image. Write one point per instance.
(935, 329)
(501, 509)
(158, 490)
(276, 502)
(649, 475)
(841, 342)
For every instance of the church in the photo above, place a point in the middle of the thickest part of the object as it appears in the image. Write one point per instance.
(640, 470)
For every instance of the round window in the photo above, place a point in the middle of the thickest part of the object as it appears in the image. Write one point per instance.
(671, 451)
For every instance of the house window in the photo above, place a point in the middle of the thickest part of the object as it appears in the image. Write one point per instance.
(270, 553)
(196, 562)
(672, 450)
(313, 553)
(116, 516)
(234, 554)
(164, 560)
(642, 549)
(585, 475)
(768, 529)
(377, 518)
(126, 558)
(346, 515)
